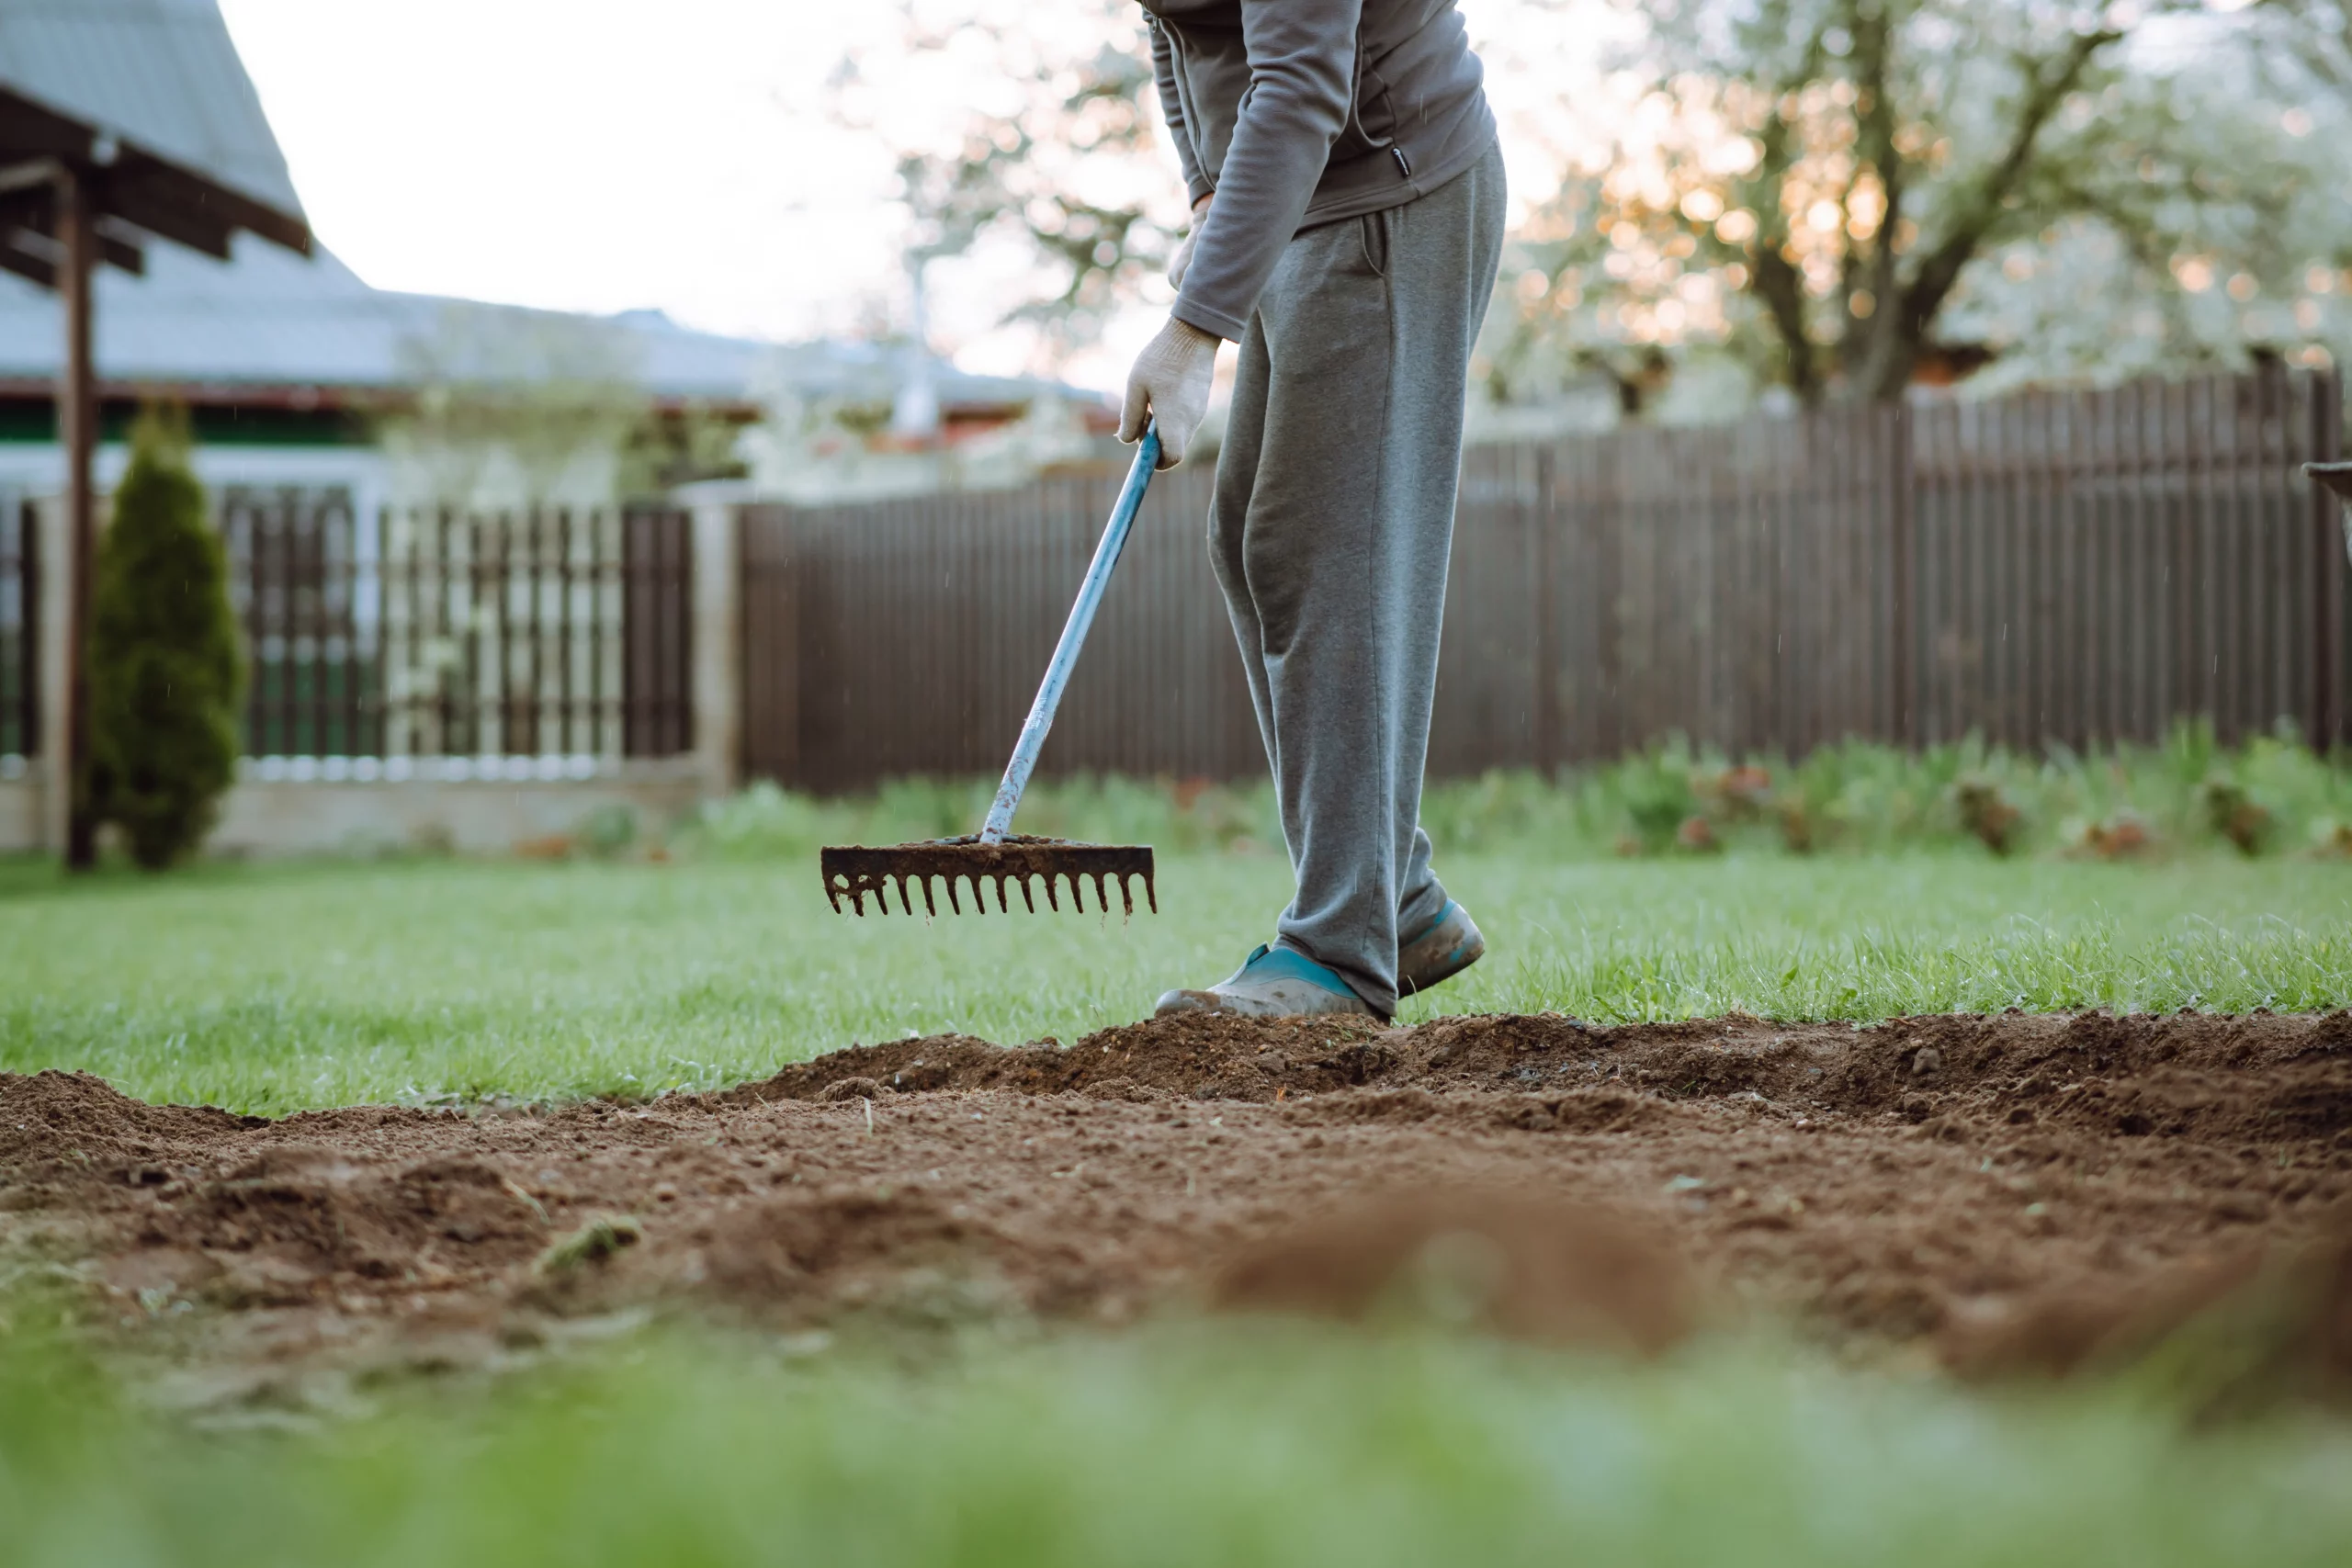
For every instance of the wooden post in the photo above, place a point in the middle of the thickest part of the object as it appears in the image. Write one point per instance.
(2328, 537)
(1547, 619)
(1902, 625)
(78, 418)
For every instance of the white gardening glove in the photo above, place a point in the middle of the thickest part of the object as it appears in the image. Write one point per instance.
(1171, 385)
(1181, 262)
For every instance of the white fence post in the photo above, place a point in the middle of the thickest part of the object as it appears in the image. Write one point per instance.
(718, 641)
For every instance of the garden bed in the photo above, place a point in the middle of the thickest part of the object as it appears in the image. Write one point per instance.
(2012, 1192)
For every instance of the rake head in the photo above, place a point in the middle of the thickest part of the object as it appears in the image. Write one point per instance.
(857, 874)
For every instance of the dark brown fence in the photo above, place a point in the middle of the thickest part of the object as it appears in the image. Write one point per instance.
(907, 636)
(548, 634)
(2074, 567)
(657, 634)
(20, 635)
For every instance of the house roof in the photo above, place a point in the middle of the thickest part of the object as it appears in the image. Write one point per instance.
(160, 72)
(268, 326)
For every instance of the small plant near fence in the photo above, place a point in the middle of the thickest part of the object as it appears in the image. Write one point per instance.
(2189, 795)
(166, 677)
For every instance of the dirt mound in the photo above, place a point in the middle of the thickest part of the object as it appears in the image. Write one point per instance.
(1515, 1263)
(1921, 1182)
(2217, 1077)
(54, 1120)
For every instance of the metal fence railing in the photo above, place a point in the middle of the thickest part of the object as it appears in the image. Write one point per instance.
(2073, 566)
(543, 644)
(546, 643)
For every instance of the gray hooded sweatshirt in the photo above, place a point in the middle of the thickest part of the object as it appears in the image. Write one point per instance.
(1297, 113)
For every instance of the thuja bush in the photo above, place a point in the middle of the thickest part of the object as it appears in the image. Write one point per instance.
(165, 673)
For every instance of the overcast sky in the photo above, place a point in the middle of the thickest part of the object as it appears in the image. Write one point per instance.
(607, 154)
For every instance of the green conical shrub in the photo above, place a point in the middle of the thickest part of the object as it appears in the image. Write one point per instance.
(166, 675)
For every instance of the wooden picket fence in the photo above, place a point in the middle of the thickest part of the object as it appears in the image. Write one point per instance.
(2073, 566)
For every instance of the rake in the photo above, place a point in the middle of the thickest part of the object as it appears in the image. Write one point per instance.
(997, 854)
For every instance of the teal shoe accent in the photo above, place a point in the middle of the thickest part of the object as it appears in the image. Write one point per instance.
(1267, 962)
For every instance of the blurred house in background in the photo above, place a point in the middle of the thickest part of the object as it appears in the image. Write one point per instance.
(299, 374)
(412, 680)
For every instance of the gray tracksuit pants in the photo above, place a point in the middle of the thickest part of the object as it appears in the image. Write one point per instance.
(1330, 529)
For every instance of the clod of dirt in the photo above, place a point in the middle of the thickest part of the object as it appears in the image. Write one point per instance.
(2216, 1338)
(599, 1238)
(850, 1088)
(803, 1254)
(1533, 1267)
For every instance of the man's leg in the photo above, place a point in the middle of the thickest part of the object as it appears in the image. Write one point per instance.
(1331, 530)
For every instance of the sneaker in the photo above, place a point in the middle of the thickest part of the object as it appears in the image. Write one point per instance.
(1272, 982)
(1449, 945)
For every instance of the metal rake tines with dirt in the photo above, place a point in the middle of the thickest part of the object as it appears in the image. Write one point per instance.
(858, 874)
(996, 855)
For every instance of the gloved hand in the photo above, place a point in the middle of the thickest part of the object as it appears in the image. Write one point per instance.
(1179, 264)
(1170, 384)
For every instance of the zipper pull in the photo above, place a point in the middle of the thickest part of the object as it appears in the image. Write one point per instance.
(1402, 166)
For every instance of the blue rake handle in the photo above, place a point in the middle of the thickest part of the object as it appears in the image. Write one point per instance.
(1081, 617)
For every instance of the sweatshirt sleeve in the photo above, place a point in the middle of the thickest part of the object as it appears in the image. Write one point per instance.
(1171, 109)
(1302, 71)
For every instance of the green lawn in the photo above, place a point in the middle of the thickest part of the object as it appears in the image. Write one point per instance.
(1177, 1445)
(274, 987)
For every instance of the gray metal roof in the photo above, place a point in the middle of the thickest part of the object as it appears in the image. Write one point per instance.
(159, 72)
(268, 318)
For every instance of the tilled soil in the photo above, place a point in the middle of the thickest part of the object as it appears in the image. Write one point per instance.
(2000, 1192)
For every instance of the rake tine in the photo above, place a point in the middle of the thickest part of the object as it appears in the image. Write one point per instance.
(953, 906)
(929, 908)
(1151, 893)
(1127, 897)
(1026, 897)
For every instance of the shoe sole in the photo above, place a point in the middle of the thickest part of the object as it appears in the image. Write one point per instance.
(1464, 954)
(1181, 1004)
